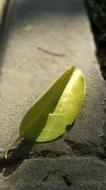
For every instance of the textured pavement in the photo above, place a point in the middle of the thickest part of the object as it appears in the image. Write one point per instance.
(32, 29)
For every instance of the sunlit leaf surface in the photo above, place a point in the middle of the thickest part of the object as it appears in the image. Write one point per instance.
(57, 108)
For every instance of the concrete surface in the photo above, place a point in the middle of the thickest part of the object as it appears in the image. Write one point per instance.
(61, 173)
(61, 27)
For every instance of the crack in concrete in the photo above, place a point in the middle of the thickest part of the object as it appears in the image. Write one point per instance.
(48, 154)
(67, 179)
(57, 173)
(84, 149)
(20, 153)
(14, 159)
(78, 149)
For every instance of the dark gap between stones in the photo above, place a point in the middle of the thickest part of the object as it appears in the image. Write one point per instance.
(99, 32)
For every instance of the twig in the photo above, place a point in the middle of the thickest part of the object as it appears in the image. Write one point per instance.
(50, 53)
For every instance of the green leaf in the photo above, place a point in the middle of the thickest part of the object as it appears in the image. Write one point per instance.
(57, 108)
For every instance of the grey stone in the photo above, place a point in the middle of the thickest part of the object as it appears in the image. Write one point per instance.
(60, 27)
(77, 172)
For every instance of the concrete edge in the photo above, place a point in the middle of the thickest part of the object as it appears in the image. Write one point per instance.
(4, 4)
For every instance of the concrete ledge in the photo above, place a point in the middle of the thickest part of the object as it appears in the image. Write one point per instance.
(59, 26)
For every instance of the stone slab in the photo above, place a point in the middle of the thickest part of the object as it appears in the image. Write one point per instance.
(61, 27)
(63, 173)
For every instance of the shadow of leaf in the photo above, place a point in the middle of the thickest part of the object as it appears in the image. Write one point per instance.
(16, 157)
